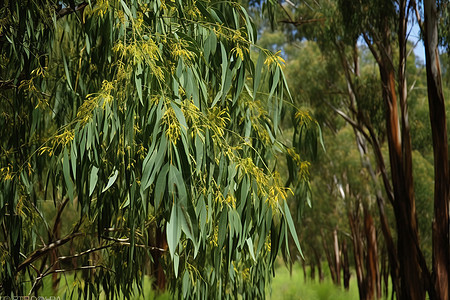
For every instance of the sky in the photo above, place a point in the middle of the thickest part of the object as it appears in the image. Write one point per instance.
(414, 36)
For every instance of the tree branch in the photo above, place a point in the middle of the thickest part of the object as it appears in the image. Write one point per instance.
(125, 242)
(300, 22)
(39, 278)
(69, 10)
(40, 252)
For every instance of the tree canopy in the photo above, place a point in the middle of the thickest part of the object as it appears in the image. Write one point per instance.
(138, 137)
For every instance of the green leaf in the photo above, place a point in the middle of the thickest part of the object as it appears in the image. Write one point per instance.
(291, 227)
(258, 73)
(73, 159)
(250, 248)
(198, 153)
(180, 116)
(66, 69)
(93, 180)
(126, 9)
(88, 45)
(138, 82)
(276, 78)
(173, 231)
(321, 137)
(202, 216)
(111, 180)
(160, 186)
(185, 285)
(223, 228)
(240, 84)
(66, 172)
(176, 263)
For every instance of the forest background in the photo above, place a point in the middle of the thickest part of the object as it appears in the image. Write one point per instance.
(371, 203)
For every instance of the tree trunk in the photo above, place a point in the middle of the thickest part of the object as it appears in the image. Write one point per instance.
(312, 271)
(373, 274)
(304, 270)
(160, 242)
(329, 259)
(345, 265)
(337, 255)
(399, 141)
(385, 229)
(305, 275)
(358, 254)
(319, 264)
(441, 249)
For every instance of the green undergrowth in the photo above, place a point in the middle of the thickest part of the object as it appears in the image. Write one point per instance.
(286, 286)
(68, 289)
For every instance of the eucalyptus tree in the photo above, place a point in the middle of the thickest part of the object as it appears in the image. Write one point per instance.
(438, 120)
(149, 128)
(383, 26)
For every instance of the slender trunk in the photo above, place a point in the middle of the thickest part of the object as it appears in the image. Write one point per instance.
(399, 141)
(411, 282)
(319, 267)
(372, 138)
(441, 249)
(373, 275)
(384, 273)
(328, 256)
(319, 264)
(337, 255)
(385, 229)
(312, 271)
(345, 265)
(358, 254)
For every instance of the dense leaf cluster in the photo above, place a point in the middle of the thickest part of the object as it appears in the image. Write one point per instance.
(151, 132)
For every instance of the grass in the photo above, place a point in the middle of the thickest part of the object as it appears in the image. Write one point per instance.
(285, 286)
(68, 289)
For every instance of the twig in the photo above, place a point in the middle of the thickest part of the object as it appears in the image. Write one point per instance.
(302, 22)
(40, 252)
(126, 243)
(68, 10)
(36, 281)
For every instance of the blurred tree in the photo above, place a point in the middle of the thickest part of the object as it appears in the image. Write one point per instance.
(376, 106)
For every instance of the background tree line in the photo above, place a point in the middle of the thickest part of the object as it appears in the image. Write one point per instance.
(384, 120)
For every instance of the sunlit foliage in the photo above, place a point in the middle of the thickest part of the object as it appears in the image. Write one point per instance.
(133, 116)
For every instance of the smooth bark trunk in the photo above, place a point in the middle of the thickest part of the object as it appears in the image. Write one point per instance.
(400, 155)
(337, 255)
(440, 228)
